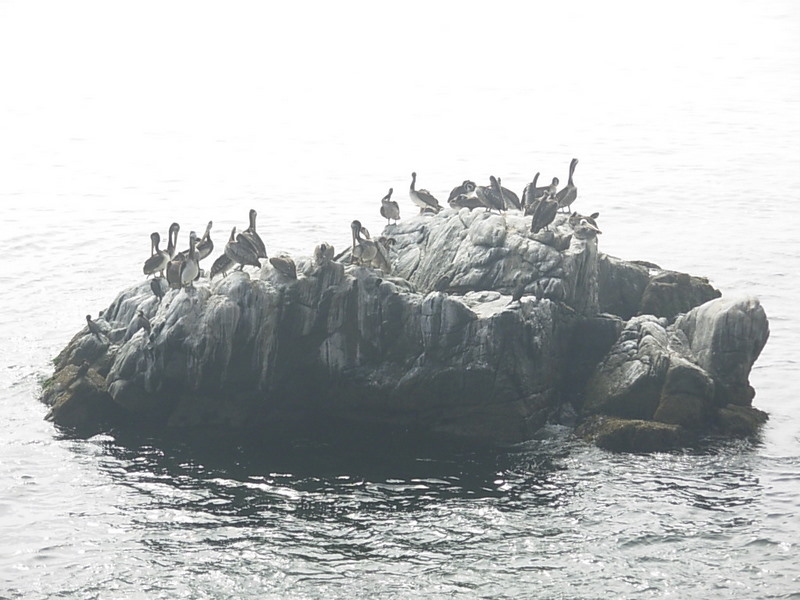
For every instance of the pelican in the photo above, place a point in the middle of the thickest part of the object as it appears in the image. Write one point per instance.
(529, 195)
(284, 265)
(190, 267)
(172, 242)
(389, 208)
(544, 214)
(364, 249)
(466, 187)
(509, 197)
(567, 196)
(95, 329)
(221, 265)
(382, 256)
(240, 251)
(491, 197)
(158, 258)
(585, 230)
(575, 219)
(250, 236)
(550, 190)
(422, 198)
(205, 245)
(323, 254)
(173, 271)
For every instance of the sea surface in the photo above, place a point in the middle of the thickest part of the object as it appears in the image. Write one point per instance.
(118, 118)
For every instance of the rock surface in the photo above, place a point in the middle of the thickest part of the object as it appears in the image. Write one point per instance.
(438, 346)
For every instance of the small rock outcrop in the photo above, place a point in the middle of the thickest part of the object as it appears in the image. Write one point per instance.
(483, 330)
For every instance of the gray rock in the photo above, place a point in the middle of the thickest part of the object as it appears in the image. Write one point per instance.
(681, 374)
(726, 336)
(347, 343)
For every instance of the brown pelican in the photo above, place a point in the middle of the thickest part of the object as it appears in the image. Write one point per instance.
(173, 272)
(364, 250)
(509, 197)
(389, 208)
(323, 254)
(529, 194)
(158, 258)
(575, 219)
(467, 187)
(190, 267)
(95, 329)
(221, 265)
(241, 251)
(491, 197)
(585, 230)
(550, 190)
(567, 196)
(544, 214)
(422, 198)
(382, 257)
(172, 242)
(205, 245)
(284, 265)
(250, 236)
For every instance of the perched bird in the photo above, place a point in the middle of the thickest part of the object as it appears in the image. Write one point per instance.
(158, 259)
(491, 197)
(323, 253)
(517, 294)
(549, 191)
(190, 267)
(137, 323)
(205, 245)
(510, 198)
(544, 214)
(173, 271)
(222, 265)
(364, 250)
(82, 370)
(466, 187)
(241, 251)
(567, 195)
(585, 230)
(157, 285)
(381, 259)
(575, 219)
(172, 241)
(95, 329)
(284, 265)
(422, 198)
(250, 236)
(389, 208)
(529, 195)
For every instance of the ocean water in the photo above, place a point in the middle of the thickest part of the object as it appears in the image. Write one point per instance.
(117, 119)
